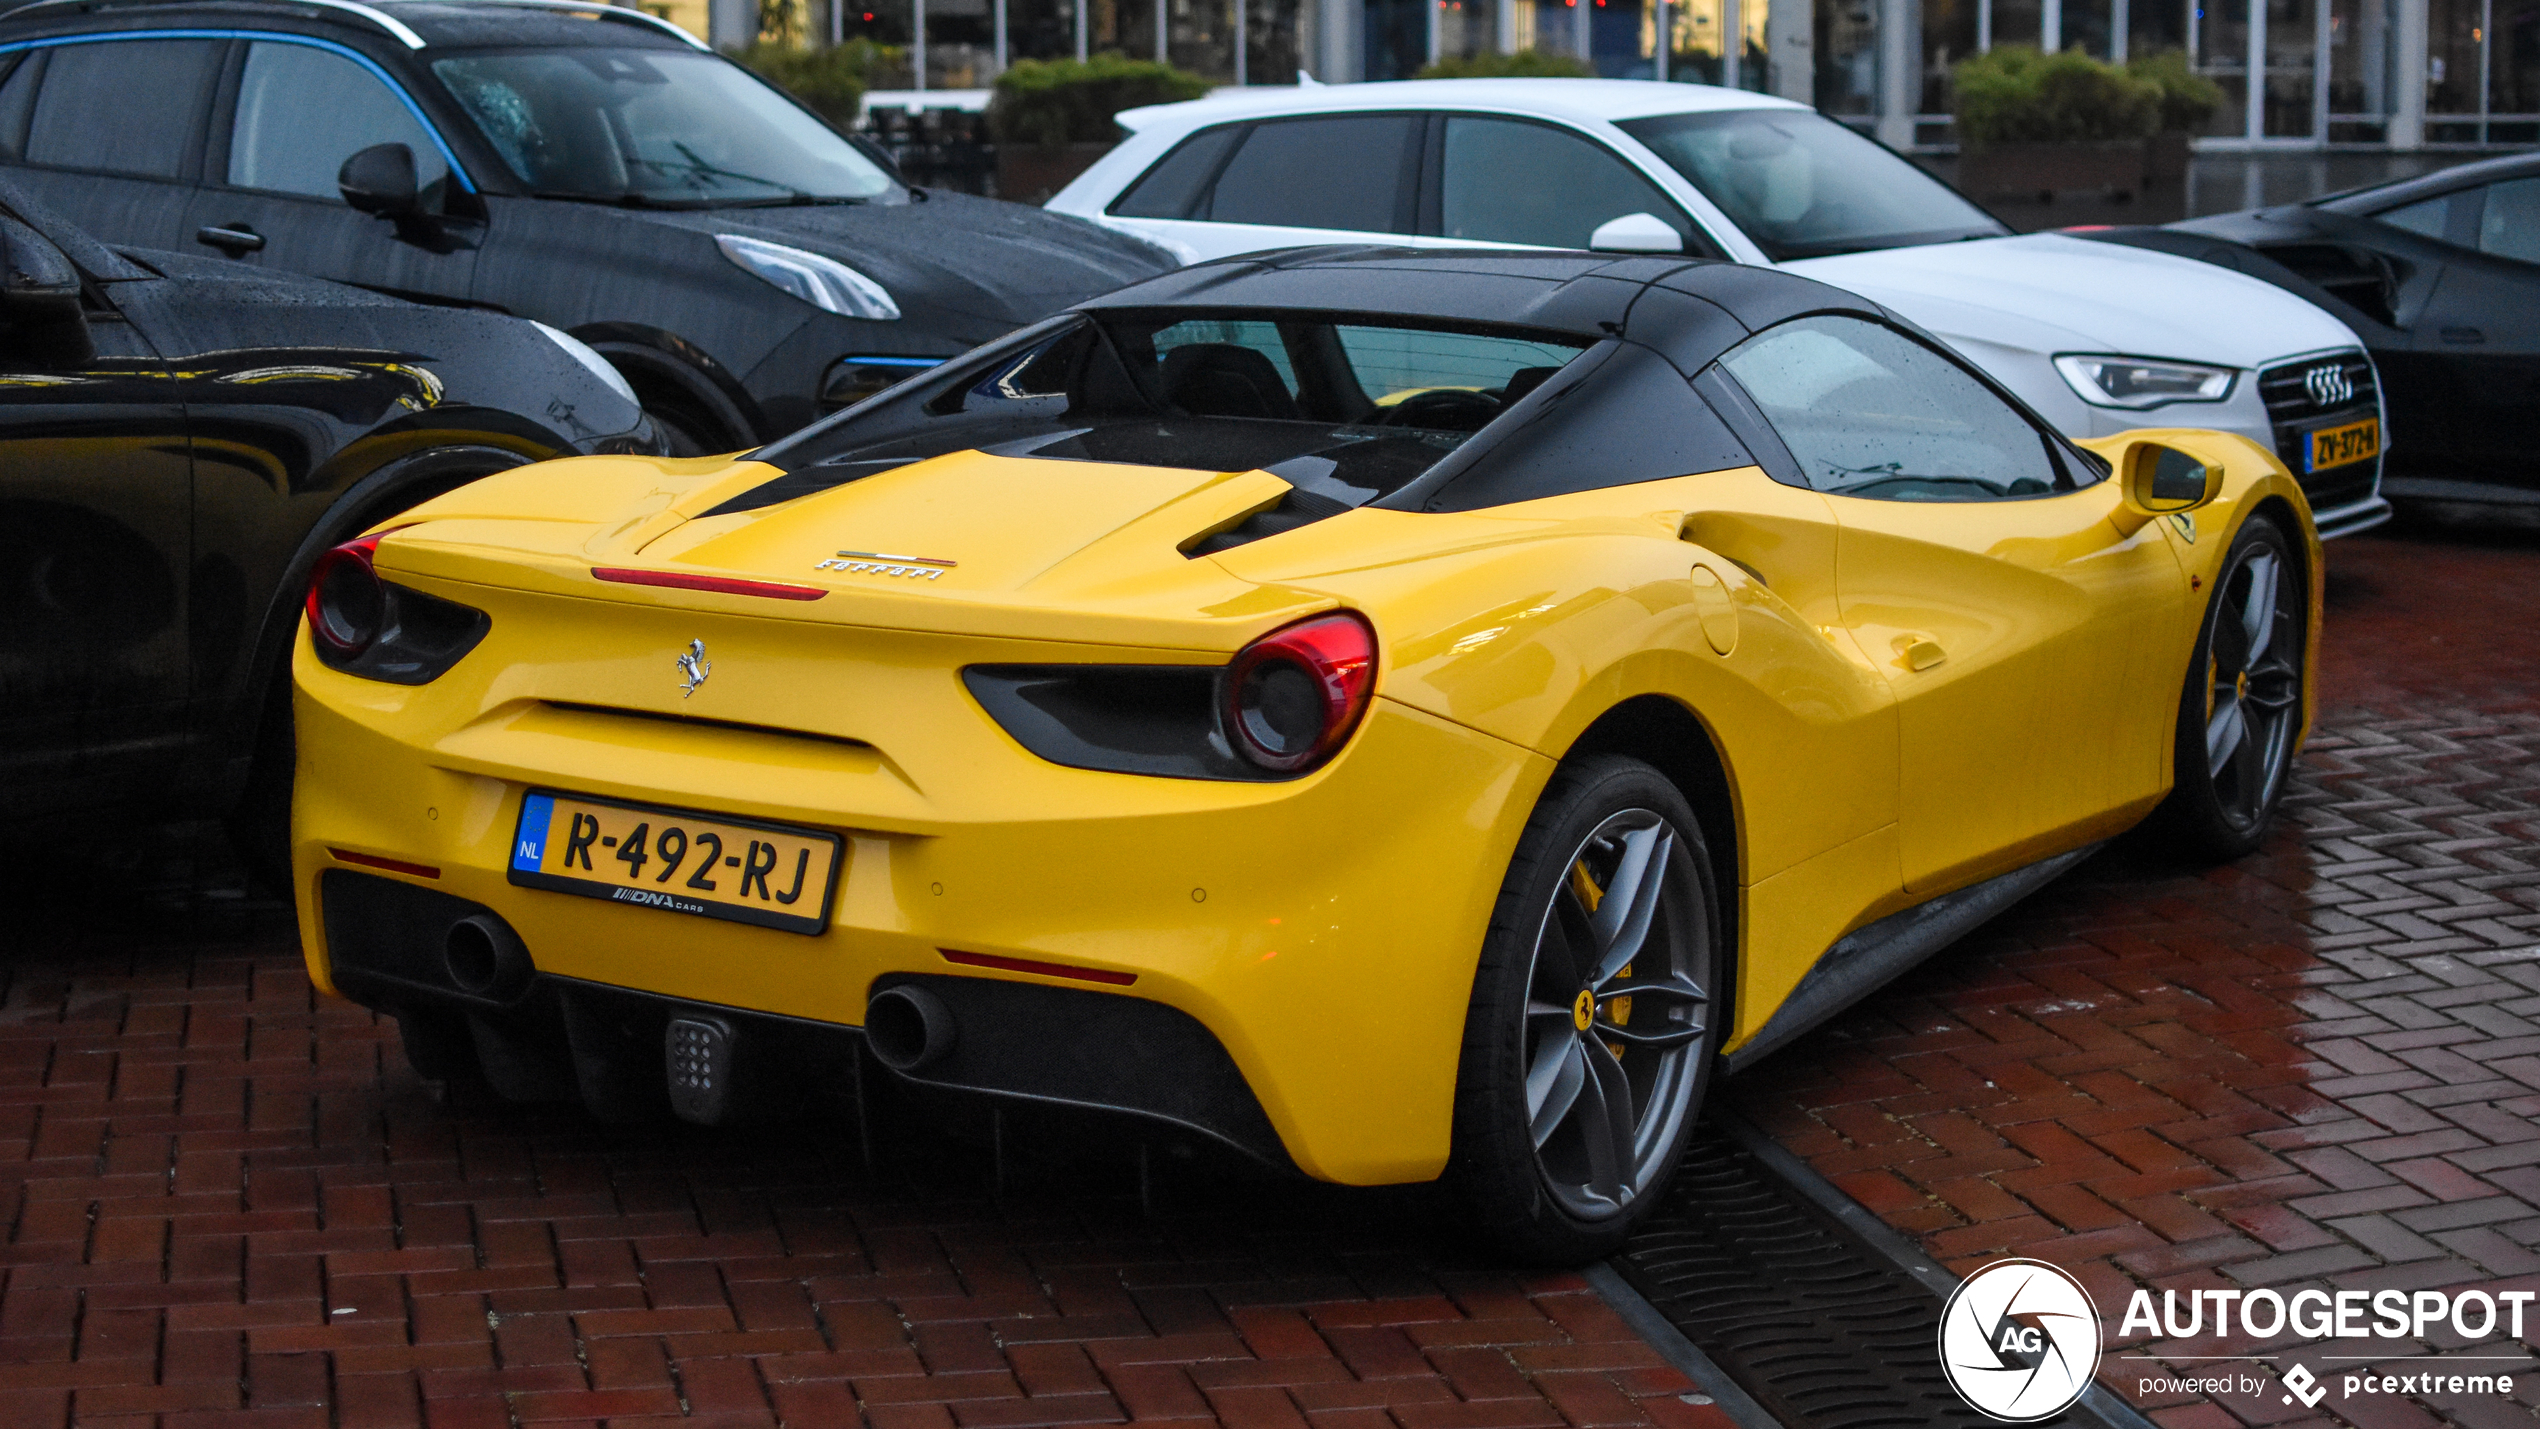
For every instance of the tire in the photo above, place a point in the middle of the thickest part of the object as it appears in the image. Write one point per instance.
(2241, 706)
(1543, 1164)
(683, 433)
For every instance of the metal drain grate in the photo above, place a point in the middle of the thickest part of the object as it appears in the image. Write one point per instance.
(1822, 1331)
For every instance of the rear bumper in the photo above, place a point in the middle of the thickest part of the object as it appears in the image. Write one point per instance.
(1318, 935)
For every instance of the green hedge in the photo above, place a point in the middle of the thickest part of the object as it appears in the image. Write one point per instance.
(2016, 95)
(1525, 64)
(1072, 101)
(830, 82)
(2188, 99)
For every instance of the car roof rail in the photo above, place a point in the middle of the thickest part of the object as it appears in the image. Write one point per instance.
(597, 9)
(404, 33)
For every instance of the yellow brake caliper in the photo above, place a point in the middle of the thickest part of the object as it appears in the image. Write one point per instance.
(1618, 1010)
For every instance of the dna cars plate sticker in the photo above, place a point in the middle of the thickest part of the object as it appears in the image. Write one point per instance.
(676, 860)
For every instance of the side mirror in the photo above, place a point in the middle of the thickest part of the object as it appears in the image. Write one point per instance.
(40, 298)
(1636, 233)
(380, 180)
(2164, 481)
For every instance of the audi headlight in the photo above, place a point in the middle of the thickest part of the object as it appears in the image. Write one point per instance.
(825, 283)
(2140, 382)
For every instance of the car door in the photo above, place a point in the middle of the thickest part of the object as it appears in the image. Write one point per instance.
(2474, 351)
(108, 130)
(1503, 180)
(2030, 647)
(1324, 178)
(96, 516)
(270, 194)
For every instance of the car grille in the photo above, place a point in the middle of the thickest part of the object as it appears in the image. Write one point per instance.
(2294, 413)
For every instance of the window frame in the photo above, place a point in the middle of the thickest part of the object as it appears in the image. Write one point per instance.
(1407, 202)
(1745, 416)
(1428, 204)
(222, 132)
(207, 163)
(190, 164)
(1433, 179)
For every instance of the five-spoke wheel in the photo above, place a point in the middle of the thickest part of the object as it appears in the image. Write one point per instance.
(2242, 709)
(1595, 1017)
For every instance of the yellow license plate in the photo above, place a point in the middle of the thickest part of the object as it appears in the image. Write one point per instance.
(2336, 446)
(676, 860)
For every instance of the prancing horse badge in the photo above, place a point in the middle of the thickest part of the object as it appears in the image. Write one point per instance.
(693, 668)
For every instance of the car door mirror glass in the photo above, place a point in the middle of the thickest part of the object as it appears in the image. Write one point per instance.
(40, 300)
(2163, 480)
(2509, 226)
(381, 180)
(1636, 233)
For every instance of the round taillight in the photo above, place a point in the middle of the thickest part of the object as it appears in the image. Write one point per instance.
(1292, 697)
(347, 601)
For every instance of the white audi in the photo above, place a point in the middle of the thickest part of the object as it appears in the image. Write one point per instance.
(2097, 337)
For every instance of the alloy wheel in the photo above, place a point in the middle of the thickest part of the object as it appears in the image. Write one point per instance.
(2253, 689)
(1617, 1014)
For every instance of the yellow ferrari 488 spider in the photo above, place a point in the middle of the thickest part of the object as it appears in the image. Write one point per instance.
(1402, 715)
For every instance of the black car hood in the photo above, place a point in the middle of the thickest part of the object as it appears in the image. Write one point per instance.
(1005, 262)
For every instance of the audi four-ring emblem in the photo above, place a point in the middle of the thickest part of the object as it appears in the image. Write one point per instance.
(2328, 386)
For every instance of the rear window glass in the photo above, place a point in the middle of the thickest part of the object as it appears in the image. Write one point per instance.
(1355, 173)
(124, 106)
(1350, 410)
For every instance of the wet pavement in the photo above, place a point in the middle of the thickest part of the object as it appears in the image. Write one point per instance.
(230, 1203)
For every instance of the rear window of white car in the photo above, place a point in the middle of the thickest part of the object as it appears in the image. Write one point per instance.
(1356, 173)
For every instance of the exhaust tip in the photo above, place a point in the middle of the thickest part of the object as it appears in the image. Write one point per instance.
(908, 1028)
(484, 958)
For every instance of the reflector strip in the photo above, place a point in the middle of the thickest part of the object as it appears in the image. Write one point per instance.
(365, 860)
(720, 585)
(1026, 965)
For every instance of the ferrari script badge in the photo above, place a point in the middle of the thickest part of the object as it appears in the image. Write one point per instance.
(878, 563)
(693, 668)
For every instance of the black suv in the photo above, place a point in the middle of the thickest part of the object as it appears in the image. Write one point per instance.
(180, 438)
(746, 267)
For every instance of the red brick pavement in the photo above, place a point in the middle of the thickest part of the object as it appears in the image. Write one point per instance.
(229, 1205)
(2319, 1068)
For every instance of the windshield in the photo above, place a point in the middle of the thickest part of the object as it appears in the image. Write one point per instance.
(1803, 186)
(1347, 411)
(653, 126)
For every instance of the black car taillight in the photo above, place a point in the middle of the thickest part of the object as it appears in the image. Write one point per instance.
(1280, 709)
(1293, 696)
(364, 625)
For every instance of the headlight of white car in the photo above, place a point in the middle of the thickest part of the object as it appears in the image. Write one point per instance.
(2140, 382)
(825, 283)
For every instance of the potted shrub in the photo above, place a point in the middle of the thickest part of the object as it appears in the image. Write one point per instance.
(830, 82)
(2032, 125)
(2188, 102)
(1052, 118)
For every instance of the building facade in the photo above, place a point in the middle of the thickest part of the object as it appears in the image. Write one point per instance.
(2296, 74)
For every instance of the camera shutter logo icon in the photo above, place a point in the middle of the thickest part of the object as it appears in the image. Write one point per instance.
(2019, 1341)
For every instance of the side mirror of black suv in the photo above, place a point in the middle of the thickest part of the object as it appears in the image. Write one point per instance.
(380, 180)
(40, 297)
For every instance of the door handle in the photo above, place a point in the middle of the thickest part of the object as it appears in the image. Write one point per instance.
(1919, 652)
(2463, 334)
(233, 238)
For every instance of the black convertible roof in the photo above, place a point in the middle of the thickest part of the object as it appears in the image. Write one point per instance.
(1692, 310)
